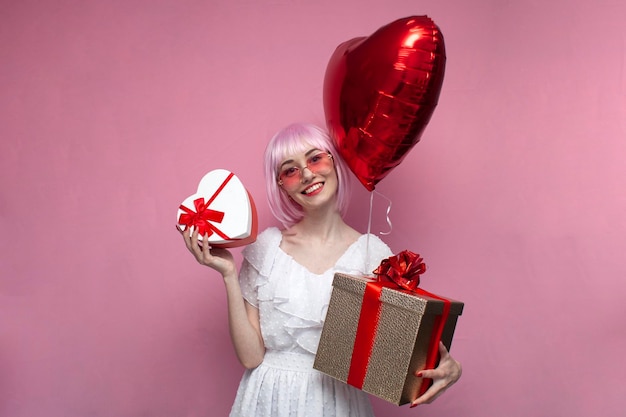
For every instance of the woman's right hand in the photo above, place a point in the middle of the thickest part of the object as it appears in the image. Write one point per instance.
(217, 258)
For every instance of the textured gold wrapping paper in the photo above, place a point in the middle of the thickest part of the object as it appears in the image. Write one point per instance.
(401, 344)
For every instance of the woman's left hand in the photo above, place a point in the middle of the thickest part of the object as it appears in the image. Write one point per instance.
(444, 375)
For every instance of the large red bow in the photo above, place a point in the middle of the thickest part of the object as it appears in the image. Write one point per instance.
(404, 269)
(201, 218)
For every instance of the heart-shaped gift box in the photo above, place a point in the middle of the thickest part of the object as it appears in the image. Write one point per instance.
(222, 208)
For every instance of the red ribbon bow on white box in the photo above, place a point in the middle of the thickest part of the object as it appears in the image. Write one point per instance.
(222, 209)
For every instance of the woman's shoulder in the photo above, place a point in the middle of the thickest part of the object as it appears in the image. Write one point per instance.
(268, 235)
(373, 248)
(364, 255)
(373, 241)
(263, 248)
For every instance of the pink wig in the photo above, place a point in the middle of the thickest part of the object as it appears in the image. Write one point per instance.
(293, 139)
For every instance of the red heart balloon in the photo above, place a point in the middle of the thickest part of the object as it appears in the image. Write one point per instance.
(380, 92)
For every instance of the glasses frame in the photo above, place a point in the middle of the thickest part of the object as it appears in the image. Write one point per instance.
(306, 166)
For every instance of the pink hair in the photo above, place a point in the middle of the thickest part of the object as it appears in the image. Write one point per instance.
(293, 139)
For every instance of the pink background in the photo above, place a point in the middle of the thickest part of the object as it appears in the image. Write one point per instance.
(110, 112)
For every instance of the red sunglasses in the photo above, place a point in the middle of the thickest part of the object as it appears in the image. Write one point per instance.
(319, 163)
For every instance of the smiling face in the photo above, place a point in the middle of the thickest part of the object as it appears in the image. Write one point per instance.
(292, 143)
(308, 177)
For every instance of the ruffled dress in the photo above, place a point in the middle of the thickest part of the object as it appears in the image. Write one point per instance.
(292, 303)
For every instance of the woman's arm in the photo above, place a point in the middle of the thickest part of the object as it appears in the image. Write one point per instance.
(243, 318)
(244, 325)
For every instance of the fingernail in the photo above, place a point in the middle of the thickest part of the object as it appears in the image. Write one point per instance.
(419, 374)
(413, 405)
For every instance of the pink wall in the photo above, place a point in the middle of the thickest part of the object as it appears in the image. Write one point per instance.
(110, 112)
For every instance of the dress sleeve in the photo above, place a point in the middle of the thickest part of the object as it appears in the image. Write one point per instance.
(258, 260)
(248, 278)
(378, 250)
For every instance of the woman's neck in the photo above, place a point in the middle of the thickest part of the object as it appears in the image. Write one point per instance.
(322, 220)
(320, 226)
(318, 241)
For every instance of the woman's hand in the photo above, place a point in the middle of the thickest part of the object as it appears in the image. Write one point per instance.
(447, 373)
(219, 259)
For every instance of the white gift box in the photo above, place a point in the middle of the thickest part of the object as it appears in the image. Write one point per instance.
(221, 208)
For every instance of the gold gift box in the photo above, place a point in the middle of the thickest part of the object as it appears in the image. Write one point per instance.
(405, 326)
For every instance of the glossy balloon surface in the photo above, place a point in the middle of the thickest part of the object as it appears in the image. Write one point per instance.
(380, 92)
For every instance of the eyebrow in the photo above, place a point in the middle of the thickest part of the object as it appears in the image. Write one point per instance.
(307, 153)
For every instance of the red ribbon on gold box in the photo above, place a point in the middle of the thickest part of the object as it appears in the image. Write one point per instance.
(378, 333)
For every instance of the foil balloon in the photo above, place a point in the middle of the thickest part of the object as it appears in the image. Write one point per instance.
(380, 92)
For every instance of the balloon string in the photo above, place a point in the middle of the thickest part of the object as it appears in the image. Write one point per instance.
(367, 241)
(369, 227)
(386, 214)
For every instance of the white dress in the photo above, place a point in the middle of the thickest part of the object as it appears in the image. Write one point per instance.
(292, 303)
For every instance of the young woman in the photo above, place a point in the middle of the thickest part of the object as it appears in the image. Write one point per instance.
(278, 300)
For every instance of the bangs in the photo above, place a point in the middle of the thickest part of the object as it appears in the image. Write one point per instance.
(295, 143)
